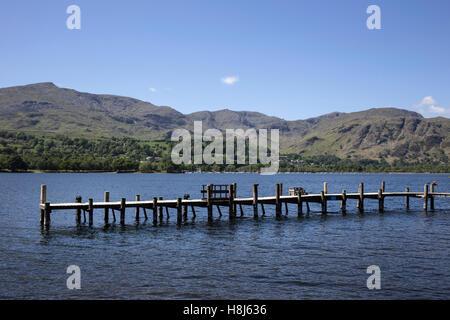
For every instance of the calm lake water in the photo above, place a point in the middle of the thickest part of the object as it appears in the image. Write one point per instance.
(313, 257)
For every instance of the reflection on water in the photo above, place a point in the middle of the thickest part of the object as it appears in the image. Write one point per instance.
(265, 258)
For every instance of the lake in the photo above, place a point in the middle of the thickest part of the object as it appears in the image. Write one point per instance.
(313, 257)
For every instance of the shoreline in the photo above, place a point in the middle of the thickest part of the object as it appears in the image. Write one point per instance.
(210, 172)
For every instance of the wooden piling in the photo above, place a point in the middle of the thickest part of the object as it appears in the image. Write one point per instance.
(262, 209)
(240, 208)
(122, 210)
(43, 201)
(185, 207)
(255, 201)
(432, 197)
(323, 201)
(344, 202)
(91, 211)
(138, 198)
(299, 204)
(209, 201)
(325, 187)
(218, 210)
(47, 212)
(106, 211)
(361, 198)
(155, 210)
(78, 211)
(160, 210)
(277, 200)
(407, 199)
(383, 186)
(179, 212)
(425, 198)
(231, 211)
(234, 197)
(380, 201)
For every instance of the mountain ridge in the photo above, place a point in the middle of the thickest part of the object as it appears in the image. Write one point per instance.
(376, 133)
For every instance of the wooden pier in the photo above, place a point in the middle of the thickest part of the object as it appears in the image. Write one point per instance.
(226, 196)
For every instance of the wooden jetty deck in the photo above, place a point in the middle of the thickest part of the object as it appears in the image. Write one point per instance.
(225, 196)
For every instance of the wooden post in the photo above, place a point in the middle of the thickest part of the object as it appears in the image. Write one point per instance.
(325, 187)
(234, 197)
(179, 214)
(344, 202)
(255, 201)
(361, 197)
(43, 201)
(277, 200)
(47, 214)
(209, 201)
(432, 197)
(106, 214)
(263, 210)
(155, 210)
(218, 210)
(240, 209)
(185, 208)
(407, 199)
(91, 211)
(425, 198)
(78, 211)
(193, 211)
(324, 202)
(231, 211)
(138, 198)
(122, 210)
(160, 210)
(383, 186)
(299, 204)
(380, 201)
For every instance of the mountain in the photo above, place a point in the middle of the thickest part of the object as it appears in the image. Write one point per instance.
(381, 133)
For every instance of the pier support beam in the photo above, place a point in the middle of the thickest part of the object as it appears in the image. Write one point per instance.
(323, 200)
(122, 210)
(425, 198)
(299, 204)
(255, 201)
(277, 200)
(360, 204)
(407, 199)
(47, 212)
(155, 210)
(43, 201)
(432, 197)
(78, 211)
(232, 212)
(209, 201)
(383, 186)
(136, 214)
(179, 213)
(185, 208)
(344, 202)
(160, 211)
(91, 211)
(380, 201)
(106, 213)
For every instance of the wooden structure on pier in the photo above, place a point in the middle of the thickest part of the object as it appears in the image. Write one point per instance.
(225, 196)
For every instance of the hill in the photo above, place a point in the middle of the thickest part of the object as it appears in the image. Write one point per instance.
(386, 134)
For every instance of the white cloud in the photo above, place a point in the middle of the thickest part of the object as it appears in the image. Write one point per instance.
(428, 107)
(230, 80)
(152, 89)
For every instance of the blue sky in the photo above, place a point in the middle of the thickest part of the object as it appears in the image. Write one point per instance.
(292, 59)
